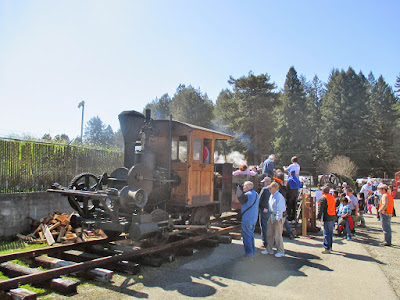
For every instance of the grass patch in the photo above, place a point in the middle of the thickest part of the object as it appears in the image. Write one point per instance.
(27, 247)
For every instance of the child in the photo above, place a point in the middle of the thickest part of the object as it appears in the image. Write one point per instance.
(361, 205)
(371, 201)
(345, 216)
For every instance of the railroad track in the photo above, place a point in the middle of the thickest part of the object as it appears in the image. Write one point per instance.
(89, 258)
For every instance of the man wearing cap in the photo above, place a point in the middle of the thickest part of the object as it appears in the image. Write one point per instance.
(276, 207)
(327, 215)
(249, 200)
(264, 212)
(386, 211)
(366, 189)
(268, 166)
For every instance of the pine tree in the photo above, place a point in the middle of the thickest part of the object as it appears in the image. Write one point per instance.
(160, 109)
(191, 106)
(382, 118)
(293, 136)
(344, 113)
(248, 112)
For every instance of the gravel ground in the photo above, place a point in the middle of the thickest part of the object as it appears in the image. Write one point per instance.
(359, 269)
(372, 236)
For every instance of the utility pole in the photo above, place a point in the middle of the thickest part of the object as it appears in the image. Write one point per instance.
(82, 104)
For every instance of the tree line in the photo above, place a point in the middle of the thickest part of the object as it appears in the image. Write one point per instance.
(349, 124)
(351, 120)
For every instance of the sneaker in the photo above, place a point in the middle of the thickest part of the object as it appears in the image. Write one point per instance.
(386, 244)
(326, 251)
(265, 252)
(349, 238)
(279, 254)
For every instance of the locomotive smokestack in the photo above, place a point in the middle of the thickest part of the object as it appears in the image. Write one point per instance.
(131, 123)
(148, 115)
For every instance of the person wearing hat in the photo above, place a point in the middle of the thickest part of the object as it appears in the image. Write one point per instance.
(249, 200)
(264, 212)
(386, 211)
(327, 215)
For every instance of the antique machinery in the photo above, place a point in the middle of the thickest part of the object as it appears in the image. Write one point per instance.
(167, 177)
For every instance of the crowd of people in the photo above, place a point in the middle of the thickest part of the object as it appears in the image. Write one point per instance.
(275, 207)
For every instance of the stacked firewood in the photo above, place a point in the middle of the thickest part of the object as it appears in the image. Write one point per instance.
(56, 227)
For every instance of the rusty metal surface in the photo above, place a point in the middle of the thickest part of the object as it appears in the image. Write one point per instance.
(15, 282)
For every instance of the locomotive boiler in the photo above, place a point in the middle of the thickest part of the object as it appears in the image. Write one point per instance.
(169, 177)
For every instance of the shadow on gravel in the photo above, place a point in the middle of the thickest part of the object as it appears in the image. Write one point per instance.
(357, 256)
(201, 276)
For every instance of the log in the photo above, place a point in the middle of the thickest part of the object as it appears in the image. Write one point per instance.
(60, 285)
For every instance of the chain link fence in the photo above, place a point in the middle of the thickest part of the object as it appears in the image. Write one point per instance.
(34, 166)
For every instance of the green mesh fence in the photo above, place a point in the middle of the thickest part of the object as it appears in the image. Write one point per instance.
(34, 166)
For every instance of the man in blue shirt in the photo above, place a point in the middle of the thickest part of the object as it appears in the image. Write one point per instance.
(250, 202)
(268, 166)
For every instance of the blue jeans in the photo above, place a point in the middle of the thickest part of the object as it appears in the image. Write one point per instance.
(248, 239)
(264, 216)
(348, 231)
(328, 234)
(387, 230)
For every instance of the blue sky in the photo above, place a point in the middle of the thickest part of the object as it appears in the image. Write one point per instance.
(120, 55)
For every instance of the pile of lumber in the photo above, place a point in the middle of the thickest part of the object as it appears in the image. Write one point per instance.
(56, 227)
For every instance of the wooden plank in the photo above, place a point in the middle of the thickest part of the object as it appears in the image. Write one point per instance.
(47, 234)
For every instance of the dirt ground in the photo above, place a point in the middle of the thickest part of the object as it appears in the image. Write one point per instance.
(358, 269)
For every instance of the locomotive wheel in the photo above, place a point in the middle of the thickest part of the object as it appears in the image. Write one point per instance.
(82, 182)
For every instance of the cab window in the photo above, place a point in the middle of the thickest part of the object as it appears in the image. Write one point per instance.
(179, 149)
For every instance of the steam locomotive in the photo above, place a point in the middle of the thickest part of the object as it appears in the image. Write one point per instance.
(169, 177)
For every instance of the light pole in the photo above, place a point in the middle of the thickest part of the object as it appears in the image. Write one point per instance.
(82, 104)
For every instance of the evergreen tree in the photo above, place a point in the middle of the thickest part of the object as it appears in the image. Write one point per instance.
(248, 112)
(344, 112)
(191, 106)
(382, 120)
(314, 91)
(397, 87)
(293, 132)
(160, 109)
(99, 134)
